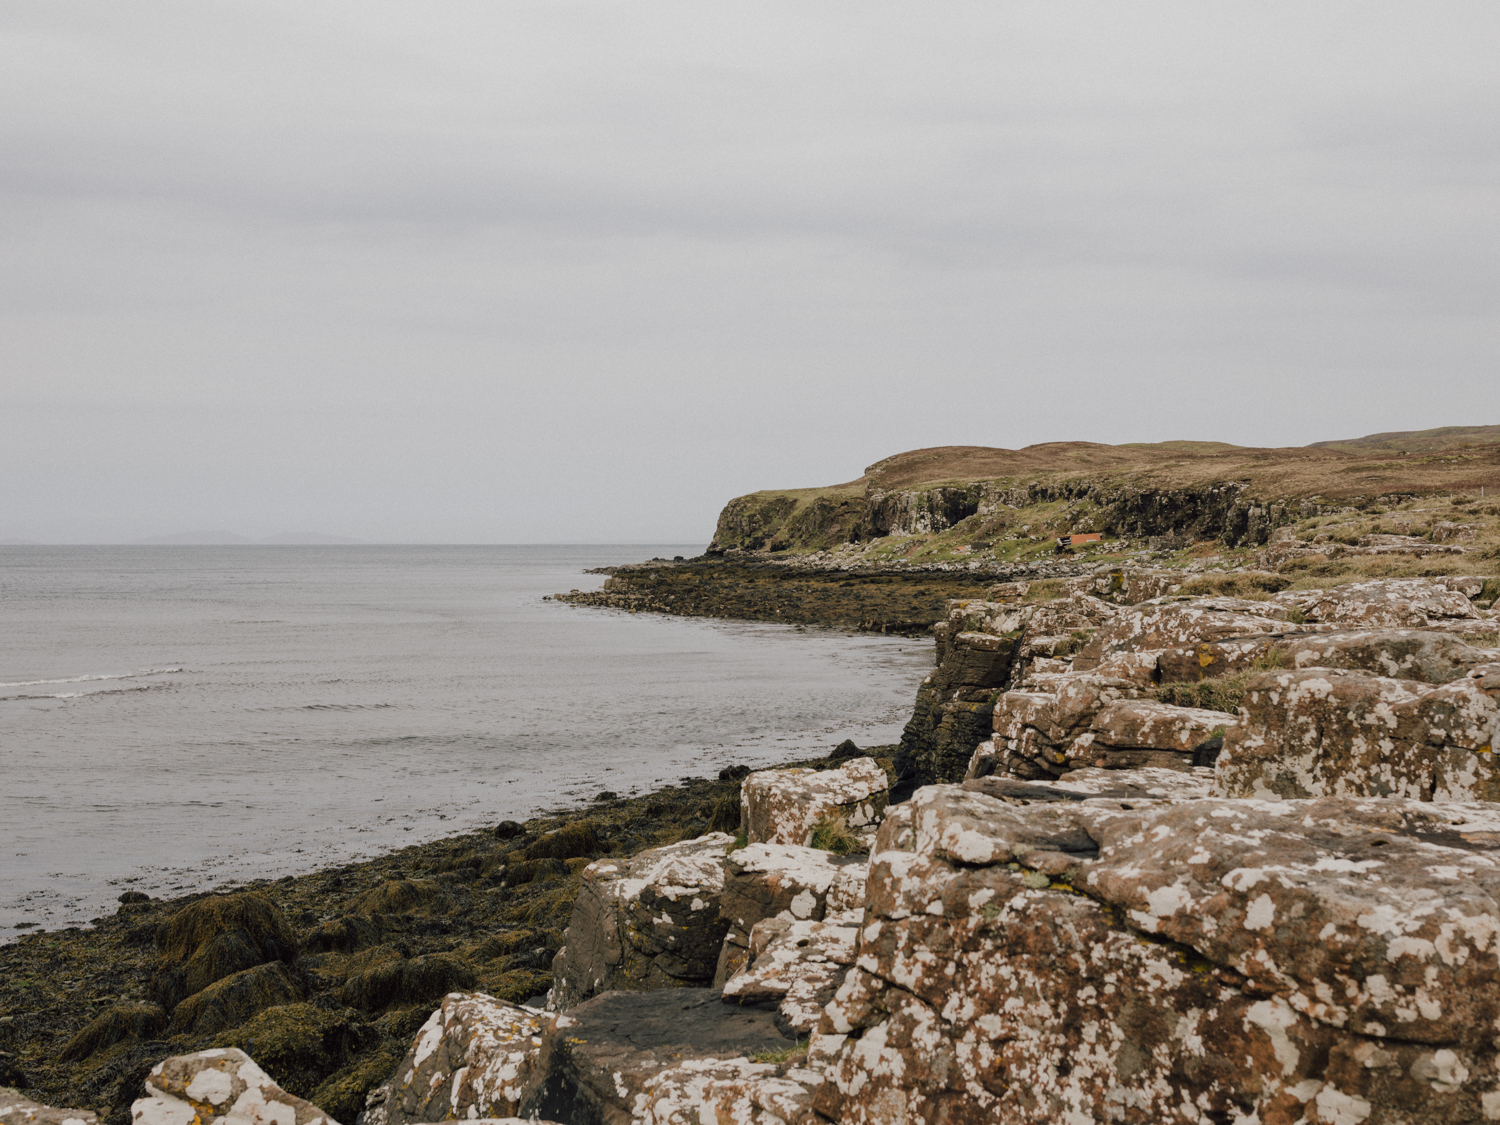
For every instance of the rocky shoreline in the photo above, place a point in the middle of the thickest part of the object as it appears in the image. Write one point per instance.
(1177, 832)
(372, 946)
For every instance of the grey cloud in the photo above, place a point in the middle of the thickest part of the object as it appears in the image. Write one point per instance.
(492, 271)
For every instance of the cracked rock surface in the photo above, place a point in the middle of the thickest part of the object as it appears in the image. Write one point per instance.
(1194, 961)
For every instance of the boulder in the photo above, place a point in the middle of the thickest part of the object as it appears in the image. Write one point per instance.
(1323, 960)
(1036, 733)
(650, 921)
(796, 965)
(600, 1057)
(17, 1110)
(784, 806)
(476, 1056)
(781, 881)
(1328, 732)
(220, 1083)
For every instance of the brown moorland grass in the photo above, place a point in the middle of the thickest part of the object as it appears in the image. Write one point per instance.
(1300, 471)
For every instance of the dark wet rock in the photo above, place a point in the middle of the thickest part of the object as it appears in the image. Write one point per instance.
(401, 981)
(845, 749)
(235, 999)
(117, 1024)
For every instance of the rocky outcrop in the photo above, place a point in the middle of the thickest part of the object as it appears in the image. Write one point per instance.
(1194, 961)
(222, 1083)
(1321, 732)
(982, 649)
(784, 806)
(1403, 654)
(794, 884)
(650, 921)
(797, 966)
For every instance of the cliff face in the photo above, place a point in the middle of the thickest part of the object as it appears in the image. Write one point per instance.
(981, 499)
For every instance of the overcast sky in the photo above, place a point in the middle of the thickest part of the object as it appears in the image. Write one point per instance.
(558, 271)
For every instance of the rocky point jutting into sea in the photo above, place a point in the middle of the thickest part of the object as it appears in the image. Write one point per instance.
(1196, 819)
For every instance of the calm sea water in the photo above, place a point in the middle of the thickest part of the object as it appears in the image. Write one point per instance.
(172, 718)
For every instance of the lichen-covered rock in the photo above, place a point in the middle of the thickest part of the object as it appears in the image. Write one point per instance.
(1320, 732)
(1403, 654)
(1140, 732)
(17, 1110)
(796, 965)
(650, 921)
(1147, 783)
(781, 881)
(784, 806)
(1389, 603)
(476, 1056)
(1170, 624)
(1202, 961)
(220, 1083)
(1037, 734)
(601, 1056)
(735, 1091)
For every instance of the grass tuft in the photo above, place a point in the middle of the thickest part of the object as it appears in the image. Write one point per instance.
(833, 834)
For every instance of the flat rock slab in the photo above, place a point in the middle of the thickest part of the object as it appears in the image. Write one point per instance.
(1145, 784)
(601, 1054)
(1386, 603)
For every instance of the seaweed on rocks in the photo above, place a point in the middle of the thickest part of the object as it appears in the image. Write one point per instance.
(347, 962)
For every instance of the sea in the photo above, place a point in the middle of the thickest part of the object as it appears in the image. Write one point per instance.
(178, 718)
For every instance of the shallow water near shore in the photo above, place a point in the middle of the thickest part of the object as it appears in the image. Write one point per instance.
(174, 718)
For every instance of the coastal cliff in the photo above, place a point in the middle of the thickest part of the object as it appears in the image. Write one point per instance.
(1003, 505)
